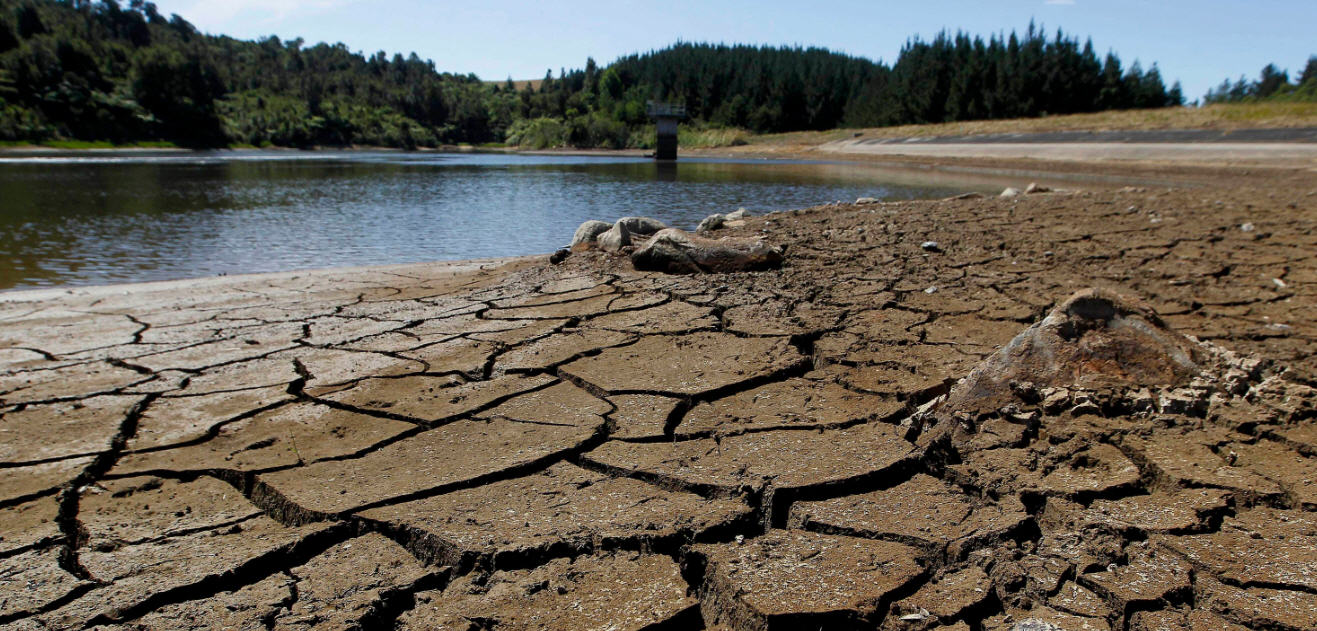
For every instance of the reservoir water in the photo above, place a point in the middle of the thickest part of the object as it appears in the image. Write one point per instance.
(96, 218)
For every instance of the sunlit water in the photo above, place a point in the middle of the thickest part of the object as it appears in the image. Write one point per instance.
(89, 219)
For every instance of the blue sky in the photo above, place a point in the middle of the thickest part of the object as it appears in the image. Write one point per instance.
(1199, 42)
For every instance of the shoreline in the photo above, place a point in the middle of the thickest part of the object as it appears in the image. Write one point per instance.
(211, 283)
(975, 173)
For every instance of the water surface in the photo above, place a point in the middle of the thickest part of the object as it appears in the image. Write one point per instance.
(96, 218)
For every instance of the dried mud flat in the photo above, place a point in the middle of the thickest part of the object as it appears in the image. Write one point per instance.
(582, 446)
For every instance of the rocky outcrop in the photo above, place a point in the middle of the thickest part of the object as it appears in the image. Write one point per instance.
(643, 226)
(615, 236)
(626, 231)
(679, 252)
(588, 232)
(735, 219)
(711, 223)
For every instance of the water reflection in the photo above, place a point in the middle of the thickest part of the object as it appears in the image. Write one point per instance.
(666, 170)
(90, 219)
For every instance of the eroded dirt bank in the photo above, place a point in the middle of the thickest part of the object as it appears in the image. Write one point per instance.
(582, 446)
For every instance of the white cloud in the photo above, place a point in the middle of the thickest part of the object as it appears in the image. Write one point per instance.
(212, 15)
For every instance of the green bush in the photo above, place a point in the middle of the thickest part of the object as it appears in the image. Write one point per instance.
(595, 131)
(537, 133)
(19, 123)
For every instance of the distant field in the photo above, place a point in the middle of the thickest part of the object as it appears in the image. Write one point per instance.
(520, 85)
(1224, 116)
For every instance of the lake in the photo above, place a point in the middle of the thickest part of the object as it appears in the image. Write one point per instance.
(94, 218)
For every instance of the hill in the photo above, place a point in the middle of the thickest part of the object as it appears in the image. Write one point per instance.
(96, 71)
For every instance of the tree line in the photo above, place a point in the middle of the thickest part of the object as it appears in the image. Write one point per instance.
(100, 70)
(1272, 84)
(951, 78)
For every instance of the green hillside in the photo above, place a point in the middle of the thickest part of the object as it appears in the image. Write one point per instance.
(102, 72)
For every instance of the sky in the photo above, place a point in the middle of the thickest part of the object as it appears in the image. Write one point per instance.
(1198, 42)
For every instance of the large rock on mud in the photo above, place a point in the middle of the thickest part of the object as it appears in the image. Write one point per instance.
(1095, 339)
(614, 239)
(679, 252)
(711, 223)
(625, 231)
(589, 231)
(735, 219)
(641, 225)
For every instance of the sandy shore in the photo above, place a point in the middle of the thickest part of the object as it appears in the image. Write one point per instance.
(519, 445)
(216, 285)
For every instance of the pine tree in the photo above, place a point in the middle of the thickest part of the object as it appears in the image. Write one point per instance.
(1309, 71)
(1175, 97)
(1271, 80)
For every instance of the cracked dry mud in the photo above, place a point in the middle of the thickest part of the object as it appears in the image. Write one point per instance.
(874, 436)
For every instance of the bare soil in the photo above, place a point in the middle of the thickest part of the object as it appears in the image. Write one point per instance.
(1219, 117)
(582, 446)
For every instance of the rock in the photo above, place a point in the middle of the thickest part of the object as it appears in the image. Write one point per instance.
(1033, 187)
(1009, 192)
(711, 223)
(1182, 401)
(1034, 624)
(588, 232)
(615, 238)
(738, 214)
(641, 226)
(677, 251)
(930, 246)
(1246, 227)
(624, 231)
(866, 200)
(1094, 339)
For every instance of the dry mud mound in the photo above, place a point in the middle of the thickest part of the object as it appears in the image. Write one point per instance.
(877, 435)
(1094, 340)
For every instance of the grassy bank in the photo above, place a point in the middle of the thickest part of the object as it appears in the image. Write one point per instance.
(85, 144)
(710, 138)
(1267, 115)
(1222, 116)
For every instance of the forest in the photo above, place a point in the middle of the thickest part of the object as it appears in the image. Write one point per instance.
(105, 71)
